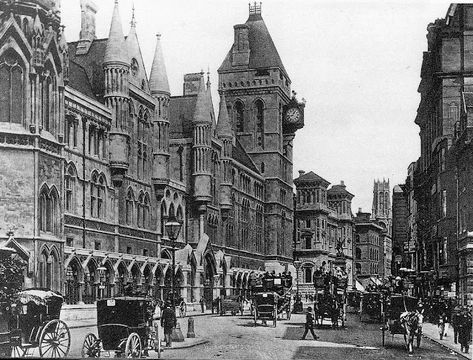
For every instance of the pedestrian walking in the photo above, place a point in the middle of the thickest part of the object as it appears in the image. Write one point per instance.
(201, 302)
(441, 325)
(309, 324)
(464, 330)
(455, 318)
(168, 322)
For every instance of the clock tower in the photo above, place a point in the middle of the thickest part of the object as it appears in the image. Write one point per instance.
(264, 115)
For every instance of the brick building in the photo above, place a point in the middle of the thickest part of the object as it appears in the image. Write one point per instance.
(323, 226)
(445, 81)
(96, 156)
(400, 230)
(369, 248)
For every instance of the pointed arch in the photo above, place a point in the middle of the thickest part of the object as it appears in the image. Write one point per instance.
(12, 87)
(239, 115)
(129, 206)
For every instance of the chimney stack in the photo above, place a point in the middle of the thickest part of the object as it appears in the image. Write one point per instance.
(342, 183)
(241, 46)
(301, 172)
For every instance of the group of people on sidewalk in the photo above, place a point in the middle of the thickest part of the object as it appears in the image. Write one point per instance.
(461, 320)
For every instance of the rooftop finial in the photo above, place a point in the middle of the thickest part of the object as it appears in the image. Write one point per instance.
(255, 9)
(133, 20)
(208, 76)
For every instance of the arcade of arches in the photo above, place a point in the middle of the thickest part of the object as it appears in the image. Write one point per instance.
(93, 275)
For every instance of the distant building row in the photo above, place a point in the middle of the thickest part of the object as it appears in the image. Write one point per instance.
(326, 229)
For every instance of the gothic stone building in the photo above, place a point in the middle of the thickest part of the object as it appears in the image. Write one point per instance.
(96, 155)
(324, 227)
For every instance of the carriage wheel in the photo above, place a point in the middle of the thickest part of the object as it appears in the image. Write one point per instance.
(90, 347)
(133, 346)
(55, 339)
(18, 351)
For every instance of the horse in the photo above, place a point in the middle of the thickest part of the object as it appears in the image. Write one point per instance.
(411, 321)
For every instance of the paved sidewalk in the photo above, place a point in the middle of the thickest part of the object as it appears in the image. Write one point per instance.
(431, 331)
(73, 324)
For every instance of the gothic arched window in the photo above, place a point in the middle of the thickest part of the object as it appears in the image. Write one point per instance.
(239, 116)
(48, 210)
(260, 122)
(129, 204)
(69, 184)
(11, 89)
(97, 194)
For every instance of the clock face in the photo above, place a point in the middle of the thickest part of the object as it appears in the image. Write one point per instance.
(293, 115)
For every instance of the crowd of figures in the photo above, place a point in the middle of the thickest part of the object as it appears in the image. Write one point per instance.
(446, 313)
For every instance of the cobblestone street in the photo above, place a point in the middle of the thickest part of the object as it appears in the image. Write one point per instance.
(237, 338)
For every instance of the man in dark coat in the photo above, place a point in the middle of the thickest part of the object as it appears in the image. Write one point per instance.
(168, 322)
(464, 329)
(309, 324)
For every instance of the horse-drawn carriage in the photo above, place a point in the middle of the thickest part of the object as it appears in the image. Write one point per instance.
(402, 316)
(123, 327)
(271, 299)
(35, 323)
(232, 304)
(330, 299)
(372, 306)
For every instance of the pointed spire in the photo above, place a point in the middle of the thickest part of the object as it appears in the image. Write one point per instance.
(62, 40)
(202, 112)
(158, 79)
(37, 25)
(223, 126)
(116, 49)
(133, 20)
(208, 78)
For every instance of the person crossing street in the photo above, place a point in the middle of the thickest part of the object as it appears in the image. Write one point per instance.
(309, 324)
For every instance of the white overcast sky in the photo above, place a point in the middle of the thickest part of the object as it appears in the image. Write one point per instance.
(357, 63)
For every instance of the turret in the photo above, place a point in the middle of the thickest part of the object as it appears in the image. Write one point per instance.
(225, 134)
(201, 149)
(159, 88)
(117, 68)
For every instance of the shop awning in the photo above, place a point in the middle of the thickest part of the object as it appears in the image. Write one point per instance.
(358, 286)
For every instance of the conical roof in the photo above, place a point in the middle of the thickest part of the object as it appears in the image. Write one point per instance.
(116, 47)
(224, 128)
(202, 110)
(158, 80)
(263, 52)
(135, 59)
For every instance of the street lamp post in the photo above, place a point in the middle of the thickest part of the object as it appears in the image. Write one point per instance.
(298, 302)
(173, 227)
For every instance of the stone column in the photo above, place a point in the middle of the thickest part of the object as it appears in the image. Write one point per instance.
(197, 285)
(228, 290)
(185, 284)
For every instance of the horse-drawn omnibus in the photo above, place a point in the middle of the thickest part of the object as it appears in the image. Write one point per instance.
(271, 299)
(330, 299)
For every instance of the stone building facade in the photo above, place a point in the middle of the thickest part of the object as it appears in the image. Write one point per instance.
(369, 249)
(441, 117)
(96, 156)
(323, 227)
